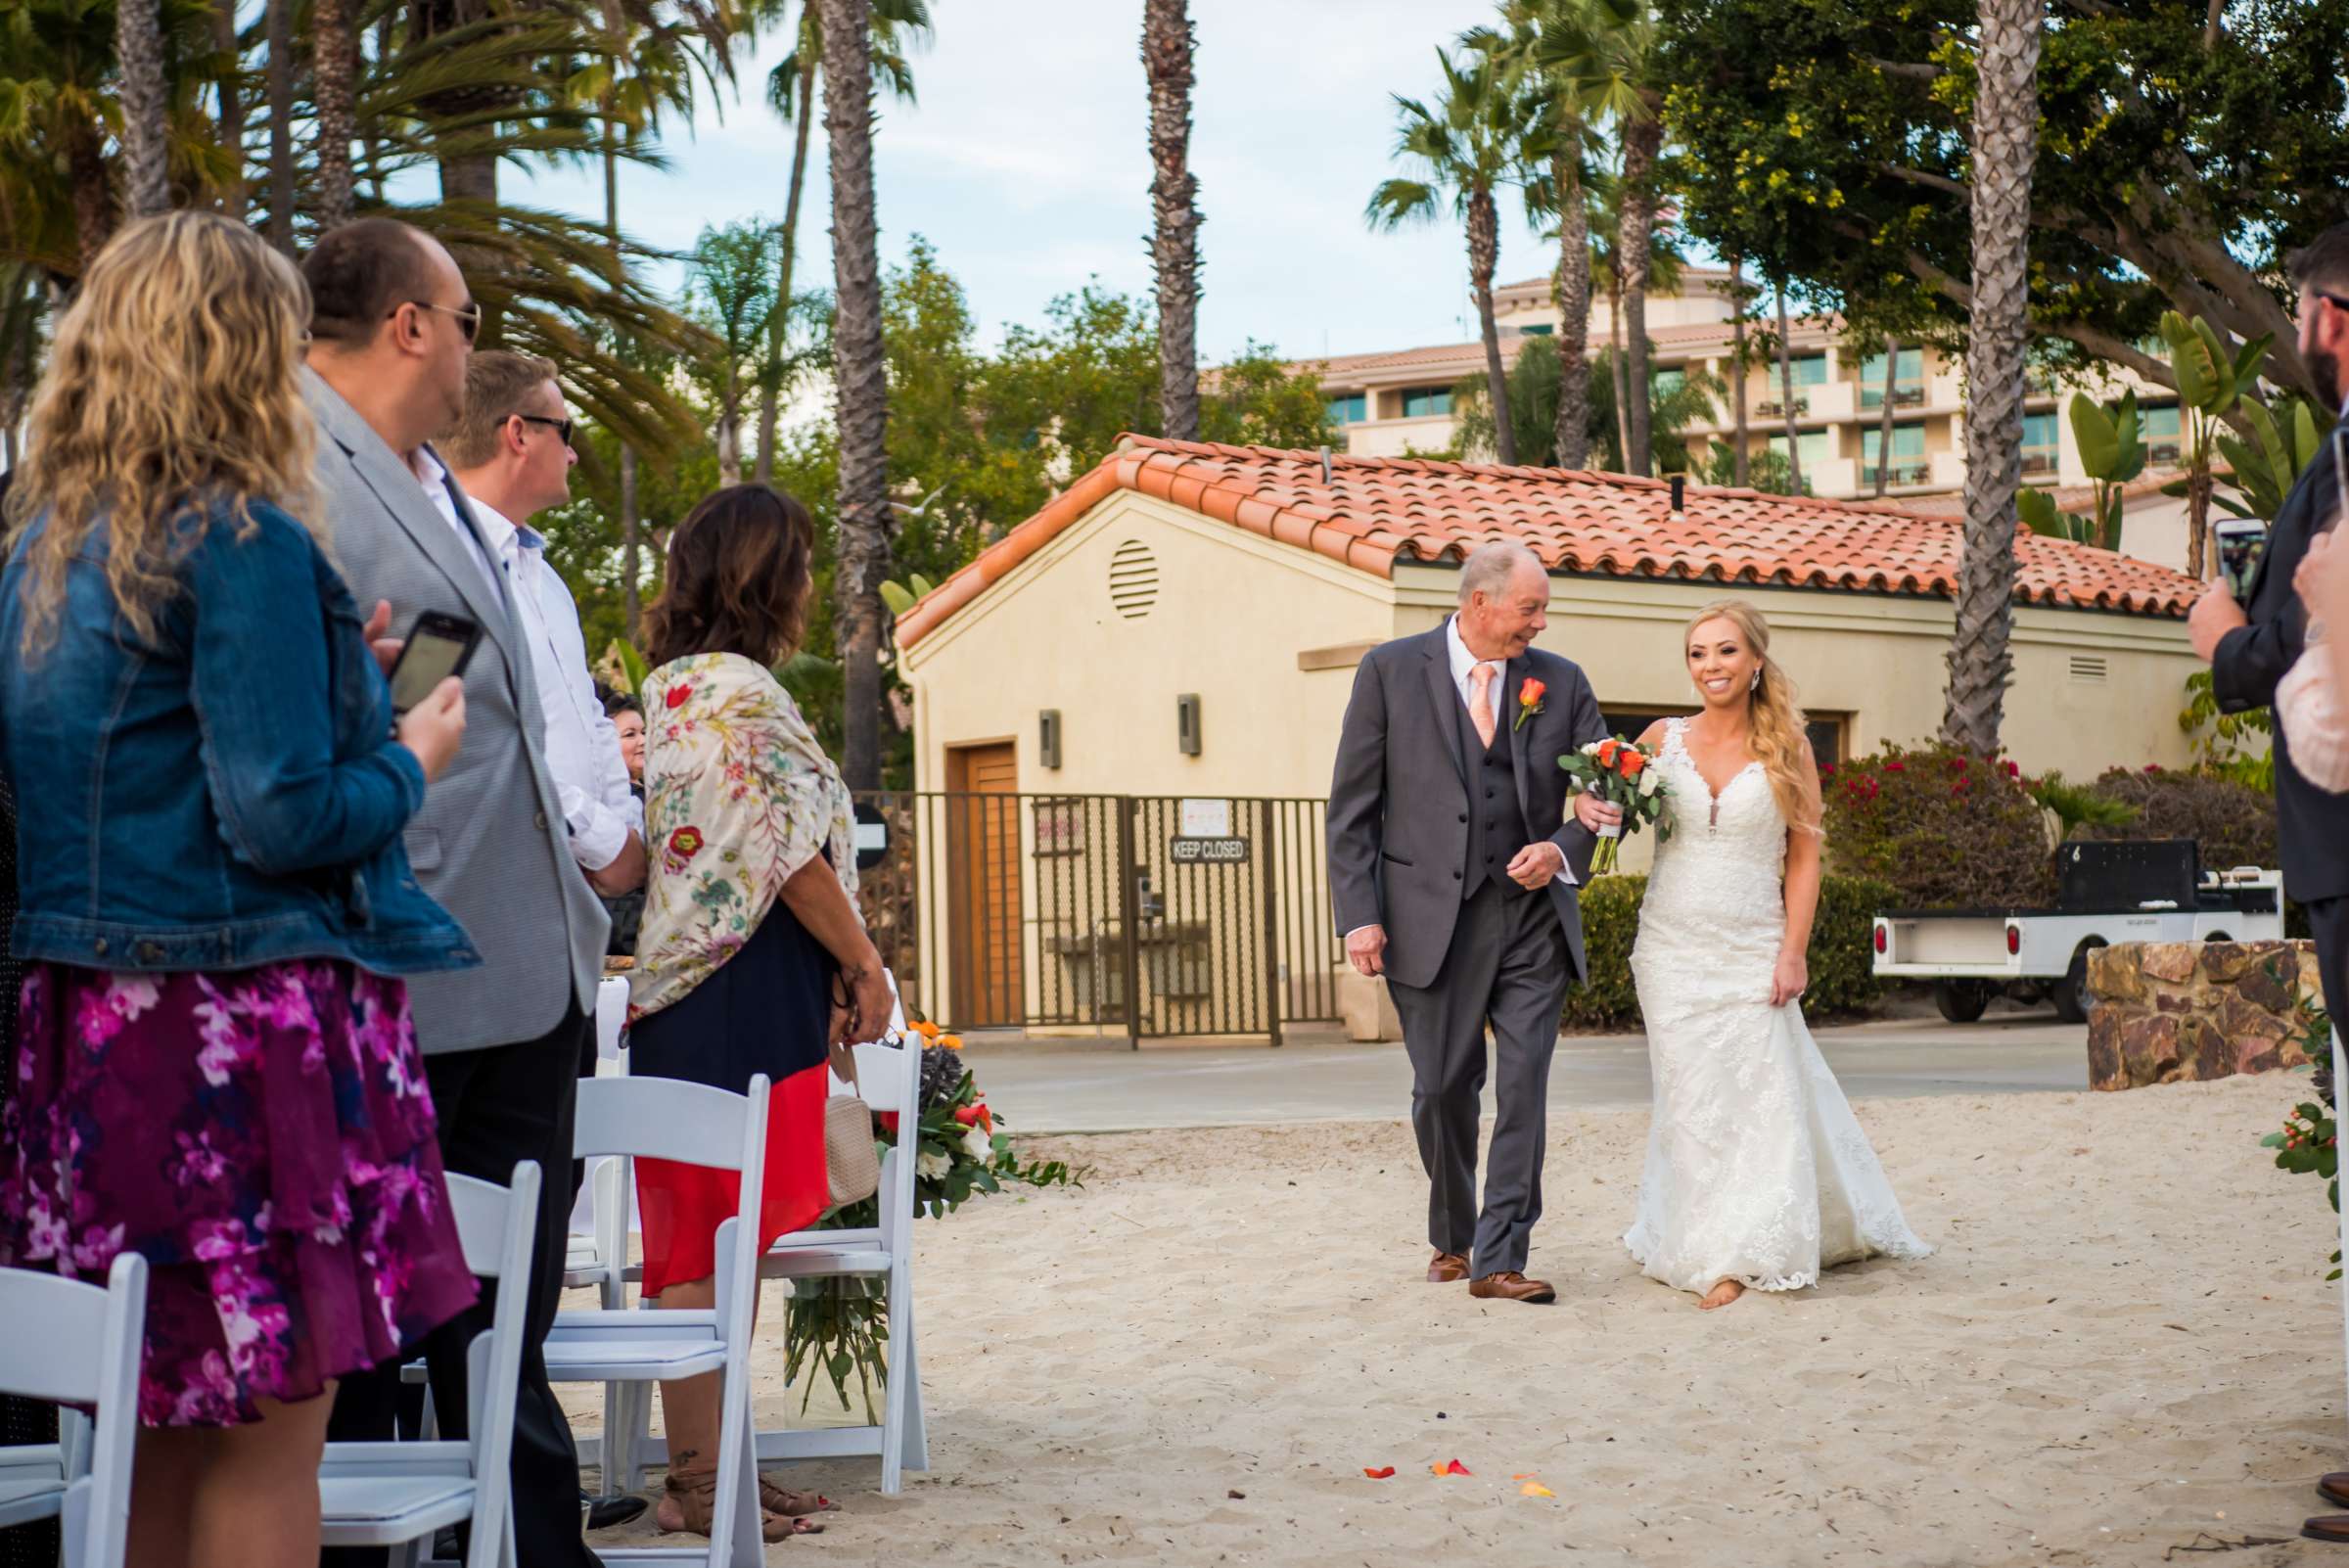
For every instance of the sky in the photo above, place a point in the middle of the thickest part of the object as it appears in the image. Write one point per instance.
(1026, 165)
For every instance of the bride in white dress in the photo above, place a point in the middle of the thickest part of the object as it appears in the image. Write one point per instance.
(1758, 1175)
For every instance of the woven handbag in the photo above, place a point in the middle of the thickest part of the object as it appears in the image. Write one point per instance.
(851, 1164)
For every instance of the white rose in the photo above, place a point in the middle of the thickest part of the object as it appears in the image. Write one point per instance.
(931, 1166)
(978, 1143)
(1648, 780)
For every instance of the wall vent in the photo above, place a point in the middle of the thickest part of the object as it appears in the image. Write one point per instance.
(2088, 669)
(1133, 580)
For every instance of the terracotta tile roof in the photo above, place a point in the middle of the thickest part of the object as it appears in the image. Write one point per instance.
(1372, 512)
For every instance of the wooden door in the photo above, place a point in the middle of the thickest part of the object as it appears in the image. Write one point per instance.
(983, 886)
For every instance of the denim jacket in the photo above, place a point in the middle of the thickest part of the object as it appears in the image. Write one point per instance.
(225, 792)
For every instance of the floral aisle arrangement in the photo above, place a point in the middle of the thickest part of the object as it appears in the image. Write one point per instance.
(841, 1326)
(1620, 772)
(2307, 1144)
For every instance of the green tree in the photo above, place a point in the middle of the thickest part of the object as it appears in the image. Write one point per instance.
(2182, 160)
(730, 280)
(1536, 387)
(1462, 150)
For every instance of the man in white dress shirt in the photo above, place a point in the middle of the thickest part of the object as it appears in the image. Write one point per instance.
(510, 453)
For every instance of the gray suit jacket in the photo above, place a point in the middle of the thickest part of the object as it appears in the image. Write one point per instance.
(489, 844)
(1399, 798)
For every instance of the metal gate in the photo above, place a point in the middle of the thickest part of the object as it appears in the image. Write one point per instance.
(1158, 917)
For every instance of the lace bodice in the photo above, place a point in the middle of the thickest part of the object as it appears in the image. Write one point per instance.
(1724, 864)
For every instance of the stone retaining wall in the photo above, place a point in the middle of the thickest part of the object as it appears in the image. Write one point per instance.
(2169, 1012)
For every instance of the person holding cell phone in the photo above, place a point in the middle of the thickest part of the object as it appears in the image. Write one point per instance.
(393, 329)
(2252, 643)
(215, 1064)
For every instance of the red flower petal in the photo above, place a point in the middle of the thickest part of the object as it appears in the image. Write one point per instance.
(1385, 1472)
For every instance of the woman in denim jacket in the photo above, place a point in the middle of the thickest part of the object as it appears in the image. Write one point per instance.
(214, 1063)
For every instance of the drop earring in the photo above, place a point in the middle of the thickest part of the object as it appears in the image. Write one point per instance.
(1755, 684)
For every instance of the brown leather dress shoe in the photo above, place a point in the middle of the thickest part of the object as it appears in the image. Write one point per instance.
(2336, 1487)
(2332, 1527)
(1510, 1285)
(1447, 1269)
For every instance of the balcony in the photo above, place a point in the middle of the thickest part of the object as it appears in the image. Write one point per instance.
(1902, 396)
(1775, 409)
(1901, 472)
(2042, 462)
(1388, 437)
(2163, 451)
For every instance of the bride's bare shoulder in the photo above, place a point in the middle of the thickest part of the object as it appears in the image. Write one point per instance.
(1653, 735)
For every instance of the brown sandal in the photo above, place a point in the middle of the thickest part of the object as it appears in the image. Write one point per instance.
(793, 1504)
(696, 1492)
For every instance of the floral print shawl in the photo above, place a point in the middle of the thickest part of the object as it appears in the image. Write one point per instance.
(737, 797)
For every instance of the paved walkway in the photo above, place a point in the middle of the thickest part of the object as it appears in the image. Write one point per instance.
(1101, 1086)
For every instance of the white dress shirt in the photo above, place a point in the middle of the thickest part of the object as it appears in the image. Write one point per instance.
(583, 747)
(1464, 668)
(433, 477)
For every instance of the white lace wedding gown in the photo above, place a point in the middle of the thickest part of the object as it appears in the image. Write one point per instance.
(1757, 1170)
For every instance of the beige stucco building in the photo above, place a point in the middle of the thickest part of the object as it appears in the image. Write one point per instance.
(1186, 622)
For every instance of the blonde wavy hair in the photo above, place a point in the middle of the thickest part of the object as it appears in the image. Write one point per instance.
(1774, 716)
(171, 384)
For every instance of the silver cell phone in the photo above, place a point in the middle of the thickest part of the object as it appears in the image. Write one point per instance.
(2238, 542)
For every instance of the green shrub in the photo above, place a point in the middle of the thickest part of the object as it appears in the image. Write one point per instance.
(1944, 828)
(1842, 970)
(2233, 823)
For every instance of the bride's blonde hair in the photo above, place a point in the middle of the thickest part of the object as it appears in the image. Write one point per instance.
(1773, 718)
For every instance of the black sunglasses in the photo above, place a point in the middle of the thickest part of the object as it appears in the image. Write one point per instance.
(562, 427)
(468, 316)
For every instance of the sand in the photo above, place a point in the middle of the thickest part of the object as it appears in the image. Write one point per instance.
(2125, 1352)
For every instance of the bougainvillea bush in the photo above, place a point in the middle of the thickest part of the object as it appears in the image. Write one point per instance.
(1945, 829)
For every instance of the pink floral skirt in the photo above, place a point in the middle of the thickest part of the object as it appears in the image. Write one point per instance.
(265, 1140)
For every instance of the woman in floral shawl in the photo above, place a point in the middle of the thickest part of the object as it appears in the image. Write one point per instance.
(752, 957)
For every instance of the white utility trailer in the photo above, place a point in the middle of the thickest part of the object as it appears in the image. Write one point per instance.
(2153, 891)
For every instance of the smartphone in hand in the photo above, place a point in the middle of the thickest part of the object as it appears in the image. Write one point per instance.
(2238, 542)
(439, 646)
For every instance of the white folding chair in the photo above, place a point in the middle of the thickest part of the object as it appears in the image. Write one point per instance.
(399, 1494)
(69, 1341)
(890, 1079)
(592, 1257)
(629, 1350)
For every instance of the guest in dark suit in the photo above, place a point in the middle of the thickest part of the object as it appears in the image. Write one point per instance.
(1453, 867)
(2251, 648)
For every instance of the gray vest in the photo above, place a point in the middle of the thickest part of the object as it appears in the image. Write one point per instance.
(1496, 828)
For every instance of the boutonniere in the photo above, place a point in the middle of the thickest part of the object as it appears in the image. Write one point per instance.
(1529, 701)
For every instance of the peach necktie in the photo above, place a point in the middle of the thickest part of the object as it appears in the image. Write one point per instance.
(1480, 701)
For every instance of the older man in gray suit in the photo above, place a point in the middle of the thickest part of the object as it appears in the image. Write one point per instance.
(392, 324)
(1452, 867)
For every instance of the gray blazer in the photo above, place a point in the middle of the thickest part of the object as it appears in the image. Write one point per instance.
(489, 844)
(1399, 797)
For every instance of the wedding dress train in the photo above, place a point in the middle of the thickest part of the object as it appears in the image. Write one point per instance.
(1757, 1171)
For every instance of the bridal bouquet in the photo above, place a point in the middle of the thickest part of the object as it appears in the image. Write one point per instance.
(1619, 773)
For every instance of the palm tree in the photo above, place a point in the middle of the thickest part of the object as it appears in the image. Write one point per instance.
(231, 88)
(2004, 145)
(1786, 406)
(1892, 387)
(334, 53)
(1167, 47)
(1740, 460)
(861, 376)
(281, 125)
(139, 62)
(897, 25)
(732, 277)
(1567, 54)
(1465, 146)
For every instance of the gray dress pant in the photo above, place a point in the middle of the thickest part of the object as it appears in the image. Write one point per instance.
(1508, 967)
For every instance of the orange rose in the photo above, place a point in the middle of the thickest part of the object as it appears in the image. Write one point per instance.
(1632, 762)
(1606, 752)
